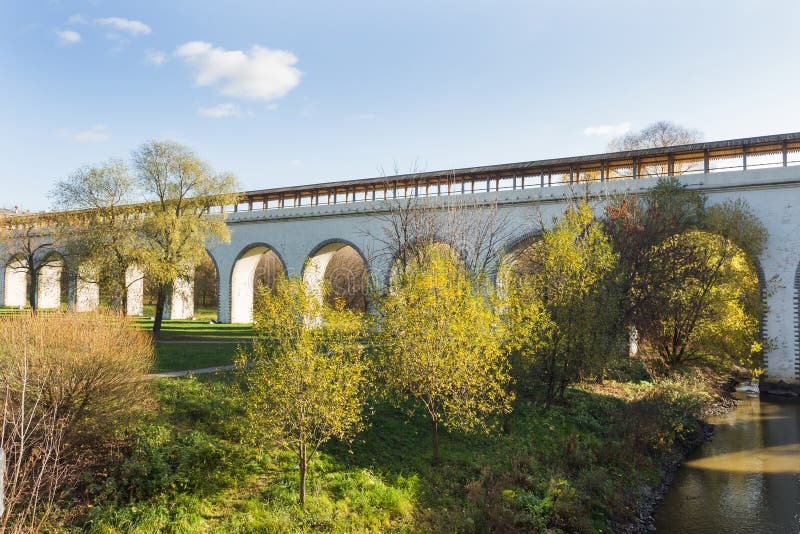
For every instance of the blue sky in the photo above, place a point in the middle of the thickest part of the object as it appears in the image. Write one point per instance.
(287, 92)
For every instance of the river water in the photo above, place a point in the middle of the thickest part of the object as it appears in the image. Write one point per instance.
(746, 479)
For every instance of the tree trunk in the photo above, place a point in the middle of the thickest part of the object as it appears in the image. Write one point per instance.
(160, 302)
(303, 467)
(32, 296)
(435, 435)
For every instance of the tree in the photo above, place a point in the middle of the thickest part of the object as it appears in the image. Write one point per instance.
(438, 343)
(707, 310)
(29, 242)
(635, 225)
(690, 283)
(106, 234)
(181, 192)
(564, 305)
(205, 283)
(412, 225)
(658, 134)
(306, 375)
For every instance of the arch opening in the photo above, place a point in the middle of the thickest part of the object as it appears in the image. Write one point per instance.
(258, 266)
(206, 289)
(343, 269)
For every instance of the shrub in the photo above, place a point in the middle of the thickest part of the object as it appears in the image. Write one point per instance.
(67, 381)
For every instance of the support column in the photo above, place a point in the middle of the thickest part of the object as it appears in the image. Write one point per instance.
(48, 292)
(180, 305)
(134, 281)
(86, 291)
(16, 285)
(781, 361)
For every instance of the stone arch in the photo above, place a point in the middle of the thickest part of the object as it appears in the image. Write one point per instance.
(206, 284)
(16, 282)
(258, 263)
(514, 255)
(341, 265)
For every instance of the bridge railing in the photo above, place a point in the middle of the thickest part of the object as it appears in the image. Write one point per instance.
(720, 156)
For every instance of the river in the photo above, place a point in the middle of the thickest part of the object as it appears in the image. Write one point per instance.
(746, 479)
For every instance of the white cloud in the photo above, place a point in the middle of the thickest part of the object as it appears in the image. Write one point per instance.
(259, 74)
(608, 129)
(96, 134)
(155, 57)
(221, 111)
(68, 37)
(133, 27)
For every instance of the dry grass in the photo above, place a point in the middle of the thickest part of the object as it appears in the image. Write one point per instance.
(67, 381)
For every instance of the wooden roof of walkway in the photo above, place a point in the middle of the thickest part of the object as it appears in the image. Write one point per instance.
(717, 156)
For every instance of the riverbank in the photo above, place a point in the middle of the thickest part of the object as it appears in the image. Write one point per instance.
(723, 401)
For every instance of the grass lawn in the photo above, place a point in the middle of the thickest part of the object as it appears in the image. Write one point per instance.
(180, 356)
(197, 466)
(189, 330)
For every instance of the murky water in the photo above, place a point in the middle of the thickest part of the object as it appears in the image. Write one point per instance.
(747, 479)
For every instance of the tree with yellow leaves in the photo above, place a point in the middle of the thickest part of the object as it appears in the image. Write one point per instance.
(438, 342)
(306, 377)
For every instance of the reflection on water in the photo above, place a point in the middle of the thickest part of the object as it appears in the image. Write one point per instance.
(747, 479)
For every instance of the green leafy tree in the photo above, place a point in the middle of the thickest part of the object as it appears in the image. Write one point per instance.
(563, 306)
(708, 310)
(438, 340)
(306, 375)
(181, 192)
(105, 233)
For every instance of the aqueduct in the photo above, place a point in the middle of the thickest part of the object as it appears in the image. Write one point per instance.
(326, 232)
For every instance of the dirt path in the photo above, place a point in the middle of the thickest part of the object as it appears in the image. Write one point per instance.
(201, 371)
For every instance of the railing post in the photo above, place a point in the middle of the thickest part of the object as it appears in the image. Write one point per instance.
(541, 179)
(706, 163)
(602, 171)
(514, 186)
(744, 157)
(785, 153)
(635, 167)
(670, 165)
(570, 175)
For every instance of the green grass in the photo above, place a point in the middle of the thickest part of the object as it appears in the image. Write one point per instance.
(188, 330)
(195, 466)
(181, 356)
(200, 313)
